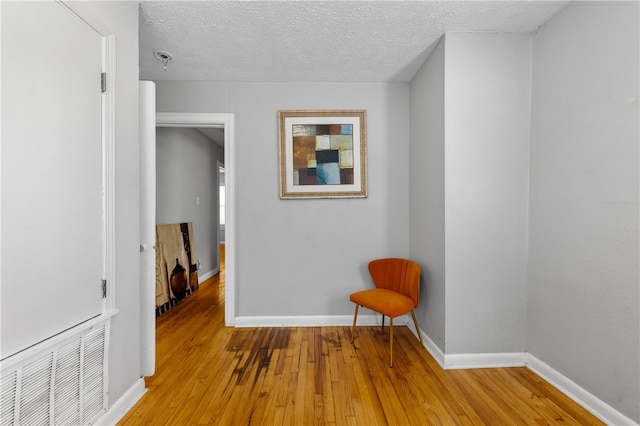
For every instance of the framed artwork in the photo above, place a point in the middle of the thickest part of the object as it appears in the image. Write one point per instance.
(323, 154)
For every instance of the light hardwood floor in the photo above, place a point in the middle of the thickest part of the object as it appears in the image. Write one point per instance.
(207, 373)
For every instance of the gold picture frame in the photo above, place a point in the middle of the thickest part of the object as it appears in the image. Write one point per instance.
(323, 153)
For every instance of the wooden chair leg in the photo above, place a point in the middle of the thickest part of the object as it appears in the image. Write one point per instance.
(353, 327)
(415, 322)
(390, 342)
(382, 328)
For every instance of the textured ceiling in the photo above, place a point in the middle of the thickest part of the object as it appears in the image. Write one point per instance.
(313, 41)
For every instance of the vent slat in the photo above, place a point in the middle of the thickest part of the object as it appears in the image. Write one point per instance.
(67, 385)
(92, 406)
(36, 415)
(94, 348)
(36, 411)
(35, 391)
(8, 387)
(94, 374)
(70, 416)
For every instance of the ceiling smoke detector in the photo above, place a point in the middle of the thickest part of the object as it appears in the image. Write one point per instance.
(164, 57)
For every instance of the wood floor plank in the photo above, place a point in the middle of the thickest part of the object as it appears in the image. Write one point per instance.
(486, 409)
(209, 374)
(368, 366)
(328, 408)
(299, 398)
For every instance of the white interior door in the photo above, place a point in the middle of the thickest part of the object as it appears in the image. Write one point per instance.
(147, 226)
(52, 173)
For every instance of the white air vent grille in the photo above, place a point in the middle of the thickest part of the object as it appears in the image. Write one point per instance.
(62, 385)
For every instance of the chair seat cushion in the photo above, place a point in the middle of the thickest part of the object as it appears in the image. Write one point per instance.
(387, 302)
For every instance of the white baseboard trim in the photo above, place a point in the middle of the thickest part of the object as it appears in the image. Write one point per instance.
(462, 361)
(207, 275)
(495, 360)
(591, 403)
(118, 409)
(307, 321)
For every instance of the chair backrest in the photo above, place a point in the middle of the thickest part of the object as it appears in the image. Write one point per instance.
(401, 275)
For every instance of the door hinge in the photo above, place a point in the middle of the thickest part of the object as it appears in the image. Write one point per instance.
(104, 289)
(103, 82)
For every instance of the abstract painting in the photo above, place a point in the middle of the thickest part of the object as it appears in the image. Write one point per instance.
(323, 154)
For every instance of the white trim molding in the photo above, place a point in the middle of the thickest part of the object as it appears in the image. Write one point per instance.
(488, 360)
(181, 119)
(121, 407)
(108, 135)
(207, 275)
(463, 361)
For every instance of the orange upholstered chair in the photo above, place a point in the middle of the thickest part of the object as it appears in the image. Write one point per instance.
(397, 292)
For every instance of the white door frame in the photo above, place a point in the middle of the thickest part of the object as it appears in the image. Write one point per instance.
(225, 121)
(220, 165)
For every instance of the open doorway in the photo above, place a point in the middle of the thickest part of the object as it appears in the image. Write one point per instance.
(187, 162)
(225, 122)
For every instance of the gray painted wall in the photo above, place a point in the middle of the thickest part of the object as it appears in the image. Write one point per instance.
(583, 297)
(426, 191)
(186, 168)
(487, 110)
(304, 257)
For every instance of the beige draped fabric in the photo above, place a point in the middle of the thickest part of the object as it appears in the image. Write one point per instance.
(175, 249)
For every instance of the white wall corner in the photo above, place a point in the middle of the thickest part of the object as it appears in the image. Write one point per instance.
(433, 349)
(121, 407)
(429, 344)
(589, 402)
